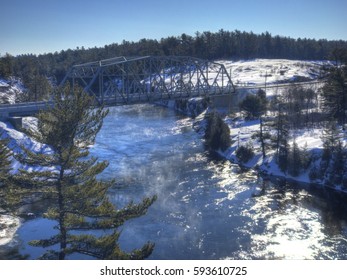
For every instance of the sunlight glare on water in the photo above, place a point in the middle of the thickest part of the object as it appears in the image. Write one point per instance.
(290, 231)
(207, 207)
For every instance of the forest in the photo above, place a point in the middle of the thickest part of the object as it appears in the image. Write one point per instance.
(40, 72)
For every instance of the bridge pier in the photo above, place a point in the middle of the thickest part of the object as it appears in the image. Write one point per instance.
(230, 103)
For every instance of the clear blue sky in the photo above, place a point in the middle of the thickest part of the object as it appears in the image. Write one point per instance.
(42, 26)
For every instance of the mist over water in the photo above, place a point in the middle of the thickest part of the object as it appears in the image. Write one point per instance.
(207, 207)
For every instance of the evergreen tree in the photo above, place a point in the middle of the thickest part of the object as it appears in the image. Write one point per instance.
(254, 105)
(5, 161)
(333, 162)
(263, 136)
(298, 101)
(338, 165)
(334, 94)
(298, 159)
(6, 65)
(217, 133)
(244, 153)
(339, 56)
(282, 157)
(78, 200)
(294, 160)
(5, 168)
(280, 138)
(37, 85)
(331, 137)
(40, 88)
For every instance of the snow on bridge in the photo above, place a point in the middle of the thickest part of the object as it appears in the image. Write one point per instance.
(129, 80)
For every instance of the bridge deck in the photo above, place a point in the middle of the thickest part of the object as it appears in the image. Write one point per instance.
(32, 108)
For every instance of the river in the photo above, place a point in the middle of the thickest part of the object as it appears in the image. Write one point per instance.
(207, 207)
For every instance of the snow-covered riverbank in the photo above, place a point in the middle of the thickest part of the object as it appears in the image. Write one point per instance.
(8, 223)
(274, 72)
(258, 72)
(241, 134)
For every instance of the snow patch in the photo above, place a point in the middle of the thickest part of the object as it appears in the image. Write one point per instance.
(8, 227)
(11, 90)
(18, 139)
(273, 71)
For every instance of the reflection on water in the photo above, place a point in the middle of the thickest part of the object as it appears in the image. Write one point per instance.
(286, 223)
(207, 208)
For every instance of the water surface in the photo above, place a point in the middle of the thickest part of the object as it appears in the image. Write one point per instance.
(207, 207)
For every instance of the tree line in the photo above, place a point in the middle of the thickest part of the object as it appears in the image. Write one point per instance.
(49, 69)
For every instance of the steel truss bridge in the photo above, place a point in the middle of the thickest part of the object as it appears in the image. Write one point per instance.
(130, 80)
(142, 79)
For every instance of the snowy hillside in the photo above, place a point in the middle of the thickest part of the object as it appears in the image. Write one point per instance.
(10, 90)
(241, 132)
(252, 73)
(274, 71)
(18, 139)
(256, 72)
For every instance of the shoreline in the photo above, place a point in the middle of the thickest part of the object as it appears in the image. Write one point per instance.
(268, 168)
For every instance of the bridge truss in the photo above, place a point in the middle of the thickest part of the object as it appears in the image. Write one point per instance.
(129, 80)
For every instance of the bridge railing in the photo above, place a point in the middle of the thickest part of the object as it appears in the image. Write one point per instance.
(23, 109)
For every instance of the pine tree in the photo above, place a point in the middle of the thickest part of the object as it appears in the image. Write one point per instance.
(263, 136)
(331, 137)
(254, 105)
(67, 177)
(10, 194)
(282, 157)
(6, 66)
(5, 167)
(217, 133)
(258, 109)
(5, 161)
(338, 166)
(334, 94)
(334, 154)
(280, 139)
(298, 159)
